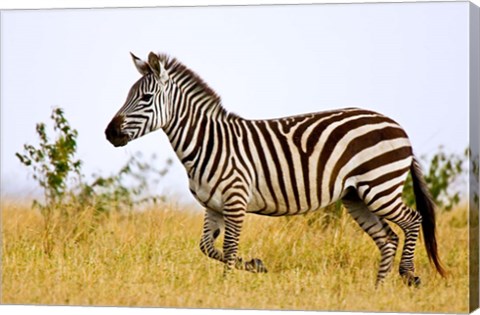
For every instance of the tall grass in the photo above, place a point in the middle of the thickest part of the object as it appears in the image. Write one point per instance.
(151, 258)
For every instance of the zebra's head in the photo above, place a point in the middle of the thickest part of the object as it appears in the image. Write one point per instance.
(143, 111)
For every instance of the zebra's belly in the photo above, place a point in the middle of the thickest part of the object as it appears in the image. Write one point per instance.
(282, 202)
(290, 204)
(275, 209)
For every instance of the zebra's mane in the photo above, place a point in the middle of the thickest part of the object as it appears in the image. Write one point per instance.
(173, 66)
(176, 68)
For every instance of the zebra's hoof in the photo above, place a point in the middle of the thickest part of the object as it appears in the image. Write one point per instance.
(412, 280)
(256, 266)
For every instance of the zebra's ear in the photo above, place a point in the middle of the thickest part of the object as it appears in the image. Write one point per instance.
(154, 63)
(141, 65)
(157, 68)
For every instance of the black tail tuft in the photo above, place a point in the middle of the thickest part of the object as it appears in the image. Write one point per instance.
(426, 207)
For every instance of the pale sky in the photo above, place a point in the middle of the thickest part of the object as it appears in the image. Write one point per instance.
(408, 61)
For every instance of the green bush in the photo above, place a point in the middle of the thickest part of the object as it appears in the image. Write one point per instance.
(474, 176)
(59, 174)
(53, 162)
(444, 171)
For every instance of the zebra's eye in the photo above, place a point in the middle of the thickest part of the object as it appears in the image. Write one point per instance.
(146, 97)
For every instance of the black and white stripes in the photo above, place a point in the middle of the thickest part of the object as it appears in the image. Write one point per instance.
(283, 166)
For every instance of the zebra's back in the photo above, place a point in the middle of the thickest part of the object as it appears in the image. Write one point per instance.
(303, 163)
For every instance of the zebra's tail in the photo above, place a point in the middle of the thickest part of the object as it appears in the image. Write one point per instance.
(426, 207)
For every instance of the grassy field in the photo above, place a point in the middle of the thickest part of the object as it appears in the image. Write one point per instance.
(152, 258)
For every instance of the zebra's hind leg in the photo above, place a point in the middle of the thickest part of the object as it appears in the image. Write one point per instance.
(393, 209)
(377, 228)
(410, 222)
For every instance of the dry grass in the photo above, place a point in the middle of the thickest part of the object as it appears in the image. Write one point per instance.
(152, 259)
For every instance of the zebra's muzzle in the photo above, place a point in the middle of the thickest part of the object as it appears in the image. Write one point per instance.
(114, 132)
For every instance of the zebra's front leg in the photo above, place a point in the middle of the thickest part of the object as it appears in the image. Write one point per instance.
(212, 227)
(234, 218)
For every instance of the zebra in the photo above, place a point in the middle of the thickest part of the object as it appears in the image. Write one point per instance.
(279, 167)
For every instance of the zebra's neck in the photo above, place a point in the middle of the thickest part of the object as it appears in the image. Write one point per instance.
(195, 113)
(193, 122)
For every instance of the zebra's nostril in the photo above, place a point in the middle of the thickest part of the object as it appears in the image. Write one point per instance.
(114, 132)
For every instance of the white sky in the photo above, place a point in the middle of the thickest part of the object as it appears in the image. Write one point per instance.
(408, 61)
